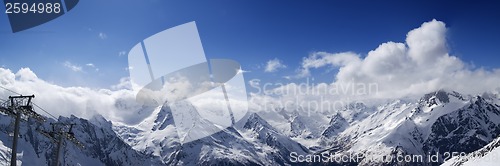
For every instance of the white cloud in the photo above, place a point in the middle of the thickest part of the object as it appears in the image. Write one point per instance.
(118, 105)
(91, 65)
(410, 69)
(273, 65)
(420, 65)
(125, 83)
(393, 70)
(73, 67)
(427, 43)
(103, 36)
(321, 59)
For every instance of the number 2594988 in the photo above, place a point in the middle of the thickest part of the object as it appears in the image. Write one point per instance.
(32, 8)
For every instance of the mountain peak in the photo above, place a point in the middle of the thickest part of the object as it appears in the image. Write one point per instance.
(337, 117)
(355, 106)
(439, 96)
(337, 124)
(254, 121)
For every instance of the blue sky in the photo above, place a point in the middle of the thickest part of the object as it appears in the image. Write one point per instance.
(251, 32)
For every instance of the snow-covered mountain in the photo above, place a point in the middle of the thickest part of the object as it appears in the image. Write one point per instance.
(256, 143)
(300, 124)
(438, 123)
(351, 114)
(312, 128)
(101, 146)
(489, 155)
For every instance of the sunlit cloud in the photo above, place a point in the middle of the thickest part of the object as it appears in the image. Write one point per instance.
(273, 65)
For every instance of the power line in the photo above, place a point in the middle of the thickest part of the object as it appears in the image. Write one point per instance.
(10, 90)
(19, 106)
(32, 102)
(58, 135)
(22, 106)
(44, 111)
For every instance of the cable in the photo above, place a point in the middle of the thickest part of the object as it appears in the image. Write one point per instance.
(44, 111)
(32, 102)
(9, 90)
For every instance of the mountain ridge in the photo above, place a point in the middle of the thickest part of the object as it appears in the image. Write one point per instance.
(439, 122)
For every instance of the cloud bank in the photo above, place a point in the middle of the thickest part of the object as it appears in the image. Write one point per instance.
(116, 105)
(420, 65)
(393, 70)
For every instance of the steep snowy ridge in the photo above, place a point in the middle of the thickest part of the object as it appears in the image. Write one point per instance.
(274, 145)
(337, 124)
(27, 153)
(101, 144)
(396, 128)
(302, 125)
(466, 129)
(348, 116)
(355, 112)
(226, 147)
(489, 155)
(156, 135)
(439, 122)
(315, 128)
(257, 143)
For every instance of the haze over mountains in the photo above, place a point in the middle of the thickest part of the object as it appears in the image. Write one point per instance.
(439, 122)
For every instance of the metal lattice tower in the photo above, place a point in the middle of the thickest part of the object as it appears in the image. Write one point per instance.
(21, 108)
(60, 132)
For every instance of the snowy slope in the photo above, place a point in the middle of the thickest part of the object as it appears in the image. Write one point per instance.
(274, 145)
(313, 129)
(399, 127)
(302, 125)
(489, 155)
(101, 145)
(257, 143)
(439, 122)
(348, 116)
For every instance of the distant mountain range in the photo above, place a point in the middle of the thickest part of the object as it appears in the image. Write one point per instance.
(439, 126)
